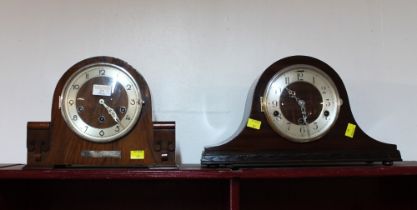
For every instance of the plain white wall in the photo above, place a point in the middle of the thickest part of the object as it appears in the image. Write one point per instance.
(200, 58)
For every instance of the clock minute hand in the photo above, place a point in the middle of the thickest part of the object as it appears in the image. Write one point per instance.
(111, 111)
(302, 104)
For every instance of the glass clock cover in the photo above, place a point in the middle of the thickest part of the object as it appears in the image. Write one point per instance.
(101, 102)
(301, 103)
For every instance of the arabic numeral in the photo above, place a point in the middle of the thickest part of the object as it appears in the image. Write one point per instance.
(117, 129)
(323, 89)
(128, 117)
(75, 87)
(75, 117)
(300, 75)
(132, 102)
(327, 102)
(101, 72)
(129, 87)
(302, 130)
(101, 133)
(315, 126)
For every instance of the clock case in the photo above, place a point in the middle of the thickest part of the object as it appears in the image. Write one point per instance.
(53, 144)
(264, 147)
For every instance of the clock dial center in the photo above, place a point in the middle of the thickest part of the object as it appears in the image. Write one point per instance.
(93, 109)
(301, 103)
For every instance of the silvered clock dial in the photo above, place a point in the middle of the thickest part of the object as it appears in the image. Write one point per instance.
(101, 102)
(301, 103)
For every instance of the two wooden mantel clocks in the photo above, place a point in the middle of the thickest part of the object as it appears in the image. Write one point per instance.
(298, 114)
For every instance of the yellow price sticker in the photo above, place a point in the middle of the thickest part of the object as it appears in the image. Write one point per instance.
(137, 154)
(255, 124)
(350, 130)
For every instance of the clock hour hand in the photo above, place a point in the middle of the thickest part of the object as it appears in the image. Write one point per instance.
(111, 111)
(292, 93)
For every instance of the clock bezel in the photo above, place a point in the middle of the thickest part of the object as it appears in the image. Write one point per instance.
(65, 112)
(327, 80)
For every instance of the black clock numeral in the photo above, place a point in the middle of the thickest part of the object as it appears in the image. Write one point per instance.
(128, 117)
(275, 103)
(87, 76)
(117, 129)
(287, 80)
(75, 87)
(327, 102)
(101, 72)
(129, 87)
(302, 130)
(101, 133)
(75, 117)
(300, 75)
(86, 128)
(316, 126)
(323, 89)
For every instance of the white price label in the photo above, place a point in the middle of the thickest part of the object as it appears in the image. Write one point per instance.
(102, 90)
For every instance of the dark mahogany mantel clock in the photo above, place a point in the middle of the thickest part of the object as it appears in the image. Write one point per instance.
(101, 117)
(298, 114)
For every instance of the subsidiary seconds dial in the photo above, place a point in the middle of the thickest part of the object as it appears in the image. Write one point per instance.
(301, 103)
(101, 102)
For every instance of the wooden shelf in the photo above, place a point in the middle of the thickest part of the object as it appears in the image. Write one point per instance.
(192, 187)
(17, 171)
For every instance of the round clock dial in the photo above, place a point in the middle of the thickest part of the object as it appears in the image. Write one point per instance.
(301, 103)
(101, 102)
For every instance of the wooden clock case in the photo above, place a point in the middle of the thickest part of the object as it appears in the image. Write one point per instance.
(54, 144)
(264, 147)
